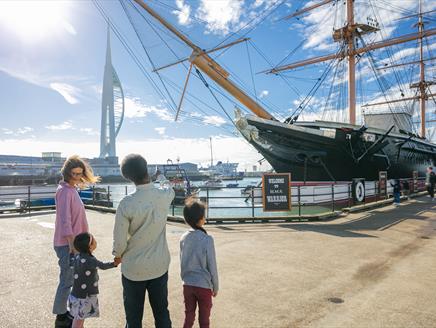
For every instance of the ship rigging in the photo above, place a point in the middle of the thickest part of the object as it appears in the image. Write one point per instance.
(328, 149)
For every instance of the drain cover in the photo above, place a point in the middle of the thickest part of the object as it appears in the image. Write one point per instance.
(335, 300)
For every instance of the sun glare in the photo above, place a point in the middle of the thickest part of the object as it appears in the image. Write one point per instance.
(33, 20)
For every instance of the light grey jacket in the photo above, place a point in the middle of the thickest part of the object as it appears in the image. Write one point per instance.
(198, 261)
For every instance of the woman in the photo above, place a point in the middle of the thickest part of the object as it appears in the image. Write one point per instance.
(70, 221)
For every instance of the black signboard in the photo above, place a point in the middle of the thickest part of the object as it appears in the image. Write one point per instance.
(276, 191)
(383, 183)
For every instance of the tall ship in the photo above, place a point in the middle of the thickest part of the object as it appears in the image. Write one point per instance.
(386, 139)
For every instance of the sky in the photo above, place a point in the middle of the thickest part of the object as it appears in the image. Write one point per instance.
(53, 54)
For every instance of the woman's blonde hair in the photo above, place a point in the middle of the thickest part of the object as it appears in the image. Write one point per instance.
(75, 161)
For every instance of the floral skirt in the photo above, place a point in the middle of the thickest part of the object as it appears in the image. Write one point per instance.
(82, 308)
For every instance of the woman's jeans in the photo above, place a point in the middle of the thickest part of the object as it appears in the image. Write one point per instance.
(65, 279)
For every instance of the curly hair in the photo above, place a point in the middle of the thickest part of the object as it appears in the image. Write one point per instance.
(75, 161)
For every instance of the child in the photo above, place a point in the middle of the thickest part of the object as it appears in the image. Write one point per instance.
(397, 192)
(198, 265)
(83, 300)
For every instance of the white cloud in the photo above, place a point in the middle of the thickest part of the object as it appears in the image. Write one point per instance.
(161, 131)
(214, 120)
(263, 93)
(69, 28)
(221, 15)
(134, 108)
(18, 132)
(183, 12)
(89, 131)
(67, 91)
(67, 125)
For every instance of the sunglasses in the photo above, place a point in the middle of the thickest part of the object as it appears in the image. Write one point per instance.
(74, 174)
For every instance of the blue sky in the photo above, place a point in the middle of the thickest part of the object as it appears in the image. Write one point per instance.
(52, 60)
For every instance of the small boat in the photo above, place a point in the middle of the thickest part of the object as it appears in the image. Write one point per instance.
(232, 185)
(213, 184)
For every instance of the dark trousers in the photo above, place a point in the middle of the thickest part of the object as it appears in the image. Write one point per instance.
(430, 189)
(203, 297)
(134, 297)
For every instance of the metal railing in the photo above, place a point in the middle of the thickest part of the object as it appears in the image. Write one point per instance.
(224, 203)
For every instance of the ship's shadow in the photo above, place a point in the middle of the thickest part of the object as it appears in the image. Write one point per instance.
(375, 220)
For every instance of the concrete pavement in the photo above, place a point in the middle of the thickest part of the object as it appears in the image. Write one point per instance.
(371, 269)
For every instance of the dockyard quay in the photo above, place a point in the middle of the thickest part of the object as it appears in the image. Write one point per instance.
(369, 269)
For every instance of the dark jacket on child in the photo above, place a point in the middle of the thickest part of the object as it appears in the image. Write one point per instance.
(86, 276)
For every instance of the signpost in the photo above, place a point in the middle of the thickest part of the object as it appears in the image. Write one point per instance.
(415, 181)
(276, 192)
(383, 183)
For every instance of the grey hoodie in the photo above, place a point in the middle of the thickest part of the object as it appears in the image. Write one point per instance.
(197, 260)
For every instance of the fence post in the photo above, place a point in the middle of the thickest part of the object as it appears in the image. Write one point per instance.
(108, 196)
(125, 190)
(173, 209)
(364, 195)
(299, 201)
(252, 202)
(349, 195)
(28, 199)
(333, 198)
(376, 190)
(207, 202)
(93, 195)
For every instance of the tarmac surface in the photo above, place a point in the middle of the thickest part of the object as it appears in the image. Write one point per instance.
(371, 269)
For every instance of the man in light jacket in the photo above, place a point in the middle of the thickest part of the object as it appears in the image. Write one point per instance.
(140, 241)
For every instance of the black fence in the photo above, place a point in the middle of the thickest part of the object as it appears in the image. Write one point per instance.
(222, 203)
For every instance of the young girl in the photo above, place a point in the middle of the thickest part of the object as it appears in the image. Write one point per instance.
(83, 300)
(198, 266)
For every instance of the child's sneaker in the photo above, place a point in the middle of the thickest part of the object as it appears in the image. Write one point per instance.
(63, 320)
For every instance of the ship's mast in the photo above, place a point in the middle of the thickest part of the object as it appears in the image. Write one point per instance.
(207, 65)
(346, 35)
(422, 84)
(351, 62)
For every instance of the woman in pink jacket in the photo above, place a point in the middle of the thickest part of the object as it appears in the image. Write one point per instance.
(70, 221)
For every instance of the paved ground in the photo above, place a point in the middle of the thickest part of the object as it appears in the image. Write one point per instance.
(374, 269)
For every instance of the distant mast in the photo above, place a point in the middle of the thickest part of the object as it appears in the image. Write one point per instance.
(112, 106)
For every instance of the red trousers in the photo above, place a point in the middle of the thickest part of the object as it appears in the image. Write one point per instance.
(203, 297)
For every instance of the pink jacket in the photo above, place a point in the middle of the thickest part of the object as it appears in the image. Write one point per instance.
(70, 214)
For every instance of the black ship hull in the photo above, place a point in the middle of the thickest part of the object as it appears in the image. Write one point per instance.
(327, 151)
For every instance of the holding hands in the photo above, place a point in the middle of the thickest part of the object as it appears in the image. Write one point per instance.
(117, 261)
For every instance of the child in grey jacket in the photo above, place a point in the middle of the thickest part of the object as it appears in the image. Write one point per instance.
(198, 265)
